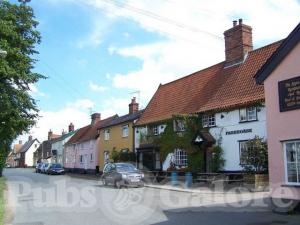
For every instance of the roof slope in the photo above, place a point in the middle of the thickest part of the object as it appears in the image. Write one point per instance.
(64, 136)
(27, 145)
(17, 148)
(287, 45)
(213, 88)
(89, 132)
(123, 119)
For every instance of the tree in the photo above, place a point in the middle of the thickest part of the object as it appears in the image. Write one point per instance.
(18, 37)
(255, 157)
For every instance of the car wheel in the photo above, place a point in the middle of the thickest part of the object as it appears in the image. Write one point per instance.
(118, 184)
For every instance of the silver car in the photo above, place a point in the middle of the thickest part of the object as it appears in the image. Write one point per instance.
(122, 174)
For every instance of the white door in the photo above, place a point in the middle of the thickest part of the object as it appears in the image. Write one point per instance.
(85, 161)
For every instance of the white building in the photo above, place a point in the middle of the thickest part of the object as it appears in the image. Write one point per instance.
(26, 153)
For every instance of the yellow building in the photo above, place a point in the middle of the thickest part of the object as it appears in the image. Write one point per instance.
(118, 134)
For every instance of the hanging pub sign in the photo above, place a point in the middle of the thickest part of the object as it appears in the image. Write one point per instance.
(289, 94)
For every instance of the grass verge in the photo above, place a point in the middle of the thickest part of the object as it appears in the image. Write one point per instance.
(2, 200)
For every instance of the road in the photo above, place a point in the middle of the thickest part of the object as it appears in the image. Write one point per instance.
(37, 199)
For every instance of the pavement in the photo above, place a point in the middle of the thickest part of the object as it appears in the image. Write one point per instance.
(38, 199)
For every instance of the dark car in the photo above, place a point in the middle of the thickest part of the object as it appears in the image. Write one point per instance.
(122, 174)
(55, 168)
(38, 167)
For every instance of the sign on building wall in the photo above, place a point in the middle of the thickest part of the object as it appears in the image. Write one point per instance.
(289, 94)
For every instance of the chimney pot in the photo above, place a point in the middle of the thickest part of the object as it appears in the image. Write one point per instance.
(234, 23)
(95, 118)
(20, 142)
(133, 106)
(50, 134)
(71, 127)
(238, 42)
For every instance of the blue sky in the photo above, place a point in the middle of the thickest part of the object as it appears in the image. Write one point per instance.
(97, 52)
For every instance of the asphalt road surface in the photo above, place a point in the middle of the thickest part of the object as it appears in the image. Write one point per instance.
(37, 199)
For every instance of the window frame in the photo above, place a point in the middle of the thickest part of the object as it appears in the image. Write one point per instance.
(106, 135)
(209, 119)
(180, 156)
(155, 130)
(126, 134)
(297, 163)
(247, 110)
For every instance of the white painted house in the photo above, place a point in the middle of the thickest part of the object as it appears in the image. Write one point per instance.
(26, 152)
(224, 95)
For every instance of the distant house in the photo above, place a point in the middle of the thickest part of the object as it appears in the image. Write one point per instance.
(280, 77)
(118, 134)
(10, 162)
(16, 155)
(81, 153)
(57, 145)
(43, 153)
(226, 98)
(26, 153)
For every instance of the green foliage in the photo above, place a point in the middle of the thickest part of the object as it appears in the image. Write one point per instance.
(2, 200)
(18, 37)
(123, 156)
(256, 157)
(195, 161)
(170, 140)
(217, 161)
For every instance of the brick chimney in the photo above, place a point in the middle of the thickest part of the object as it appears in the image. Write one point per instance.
(238, 42)
(95, 118)
(71, 127)
(30, 138)
(50, 134)
(133, 106)
(20, 142)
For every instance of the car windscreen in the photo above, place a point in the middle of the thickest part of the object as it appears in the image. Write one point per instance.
(126, 168)
(57, 166)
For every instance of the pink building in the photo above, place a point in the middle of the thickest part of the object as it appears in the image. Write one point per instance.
(81, 154)
(281, 78)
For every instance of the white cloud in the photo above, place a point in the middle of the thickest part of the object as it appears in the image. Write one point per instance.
(57, 121)
(82, 104)
(97, 88)
(194, 34)
(34, 91)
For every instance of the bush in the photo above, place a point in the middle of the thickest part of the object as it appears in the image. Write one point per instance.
(217, 161)
(256, 157)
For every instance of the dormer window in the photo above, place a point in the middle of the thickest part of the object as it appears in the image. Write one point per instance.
(209, 120)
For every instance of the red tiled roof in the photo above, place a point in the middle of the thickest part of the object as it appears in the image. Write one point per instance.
(89, 132)
(17, 148)
(213, 88)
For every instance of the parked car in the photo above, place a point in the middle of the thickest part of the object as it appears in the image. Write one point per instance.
(122, 174)
(44, 167)
(38, 167)
(55, 168)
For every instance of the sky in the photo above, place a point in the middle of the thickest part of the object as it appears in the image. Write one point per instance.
(98, 54)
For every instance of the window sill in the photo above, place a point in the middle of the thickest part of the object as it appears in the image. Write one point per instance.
(248, 121)
(291, 185)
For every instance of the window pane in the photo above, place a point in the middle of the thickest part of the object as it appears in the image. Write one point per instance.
(243, 152)
(290, 152)
(252, 113)
(292, 172)
(205, 121)
(243, 114)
